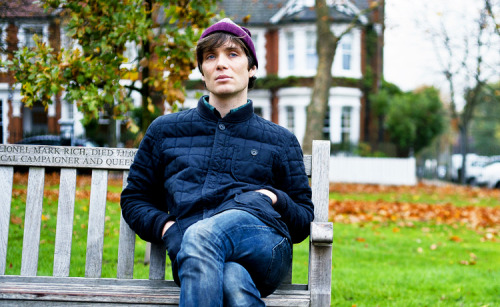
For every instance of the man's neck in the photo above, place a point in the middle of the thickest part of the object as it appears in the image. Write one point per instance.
(225, 104)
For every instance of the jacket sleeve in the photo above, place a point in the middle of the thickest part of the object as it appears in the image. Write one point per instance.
(143, 201)
(293, 191)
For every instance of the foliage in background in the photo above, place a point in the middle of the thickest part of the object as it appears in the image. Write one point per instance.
(412, 119)
(105, 32)
(485, 127)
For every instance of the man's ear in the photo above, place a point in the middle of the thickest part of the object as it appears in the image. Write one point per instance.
(252, 71)
(202, 77)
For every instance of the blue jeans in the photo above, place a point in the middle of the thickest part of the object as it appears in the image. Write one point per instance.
(231, 259)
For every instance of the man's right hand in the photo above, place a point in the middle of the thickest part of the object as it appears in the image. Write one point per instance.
(167, 226)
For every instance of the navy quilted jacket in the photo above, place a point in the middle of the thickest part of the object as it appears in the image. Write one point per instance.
(194, 164)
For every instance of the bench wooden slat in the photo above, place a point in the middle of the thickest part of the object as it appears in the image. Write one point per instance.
(64, 228)
(32, 221)
(6, 180)
(308, 164)
(320, 256)
(126, 245)
(97, 215)
(98, 291)
(319, 180)
(157, 262)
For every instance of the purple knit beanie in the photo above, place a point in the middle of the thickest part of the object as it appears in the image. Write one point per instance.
(228, 26)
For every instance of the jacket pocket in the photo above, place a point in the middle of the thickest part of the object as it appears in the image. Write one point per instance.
(257, 202)
(252, 165)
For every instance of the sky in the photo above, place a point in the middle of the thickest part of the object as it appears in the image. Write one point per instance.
(410, 59)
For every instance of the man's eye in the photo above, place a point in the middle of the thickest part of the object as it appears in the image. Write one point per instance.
(233, 54)
(210, 57)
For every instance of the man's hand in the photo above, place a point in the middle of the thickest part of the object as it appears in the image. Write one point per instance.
(271, 195)
(167, 226)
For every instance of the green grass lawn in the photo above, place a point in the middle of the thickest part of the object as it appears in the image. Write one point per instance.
(374, 264)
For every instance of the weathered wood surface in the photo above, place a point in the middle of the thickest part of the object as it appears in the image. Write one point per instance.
(319, 179)
(32, 221)
(126, 245)
(60, 290)
(117, 291)
(65, 156)
(6, 180)
(77, 157)
(97, 215)
(320, 247)
(64, 228)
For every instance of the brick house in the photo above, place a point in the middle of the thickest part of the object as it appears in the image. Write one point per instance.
(284, 35)
(19, 21)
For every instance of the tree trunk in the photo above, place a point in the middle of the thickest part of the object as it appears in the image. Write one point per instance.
(463, 151)
(326, 44)
(112, 141)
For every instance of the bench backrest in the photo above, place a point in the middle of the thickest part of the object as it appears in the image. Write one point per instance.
(100, 161)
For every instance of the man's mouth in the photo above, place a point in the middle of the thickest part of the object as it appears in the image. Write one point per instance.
(222, 77)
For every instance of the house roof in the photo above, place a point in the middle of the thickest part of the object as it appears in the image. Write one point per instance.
(251, 12)
(21, 9)
(308, 14)
(268, 12)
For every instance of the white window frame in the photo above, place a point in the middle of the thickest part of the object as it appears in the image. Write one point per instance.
(259, 42)
(346, 123)
(346, 52)
(22, 37)
(290, 118)
(311, 54)
(290, 50)
(131, 54)
(3, 45)
(354, 40)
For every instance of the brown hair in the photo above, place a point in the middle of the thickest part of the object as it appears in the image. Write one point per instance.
(217, 39)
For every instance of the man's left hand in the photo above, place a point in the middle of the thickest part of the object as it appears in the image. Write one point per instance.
(271, 195)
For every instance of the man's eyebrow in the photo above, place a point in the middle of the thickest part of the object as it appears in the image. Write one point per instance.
(225, 48)
(233, 47)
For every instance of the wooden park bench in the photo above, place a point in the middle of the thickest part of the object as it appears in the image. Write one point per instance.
(91, 290)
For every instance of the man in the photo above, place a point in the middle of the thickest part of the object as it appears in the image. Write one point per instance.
(224, 189)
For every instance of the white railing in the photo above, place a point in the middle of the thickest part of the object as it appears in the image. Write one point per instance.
(389, 171)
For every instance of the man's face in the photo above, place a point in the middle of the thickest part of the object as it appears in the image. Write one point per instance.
(225, 70)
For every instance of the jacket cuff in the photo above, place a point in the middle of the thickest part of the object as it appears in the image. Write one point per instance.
(159, 223)
(281, 203)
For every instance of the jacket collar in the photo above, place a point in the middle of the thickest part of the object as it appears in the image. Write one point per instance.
(238, 115)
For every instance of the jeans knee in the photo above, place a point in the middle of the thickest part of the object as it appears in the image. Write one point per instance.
(199, 239)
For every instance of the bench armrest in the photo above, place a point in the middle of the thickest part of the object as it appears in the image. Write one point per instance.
(321, 233)
(320, 263)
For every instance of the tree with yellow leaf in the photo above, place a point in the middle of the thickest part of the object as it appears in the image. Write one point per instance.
(91, 73)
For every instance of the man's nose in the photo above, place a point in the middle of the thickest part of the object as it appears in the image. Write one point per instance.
(222, 62)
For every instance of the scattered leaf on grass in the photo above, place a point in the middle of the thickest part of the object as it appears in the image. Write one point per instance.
(16, 220)
(455, 239)
(405, 213)
(359, 239)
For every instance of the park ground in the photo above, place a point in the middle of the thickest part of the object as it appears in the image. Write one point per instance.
(424, 245)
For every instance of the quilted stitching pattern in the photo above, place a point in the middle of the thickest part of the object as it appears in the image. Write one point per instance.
(193, 162)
